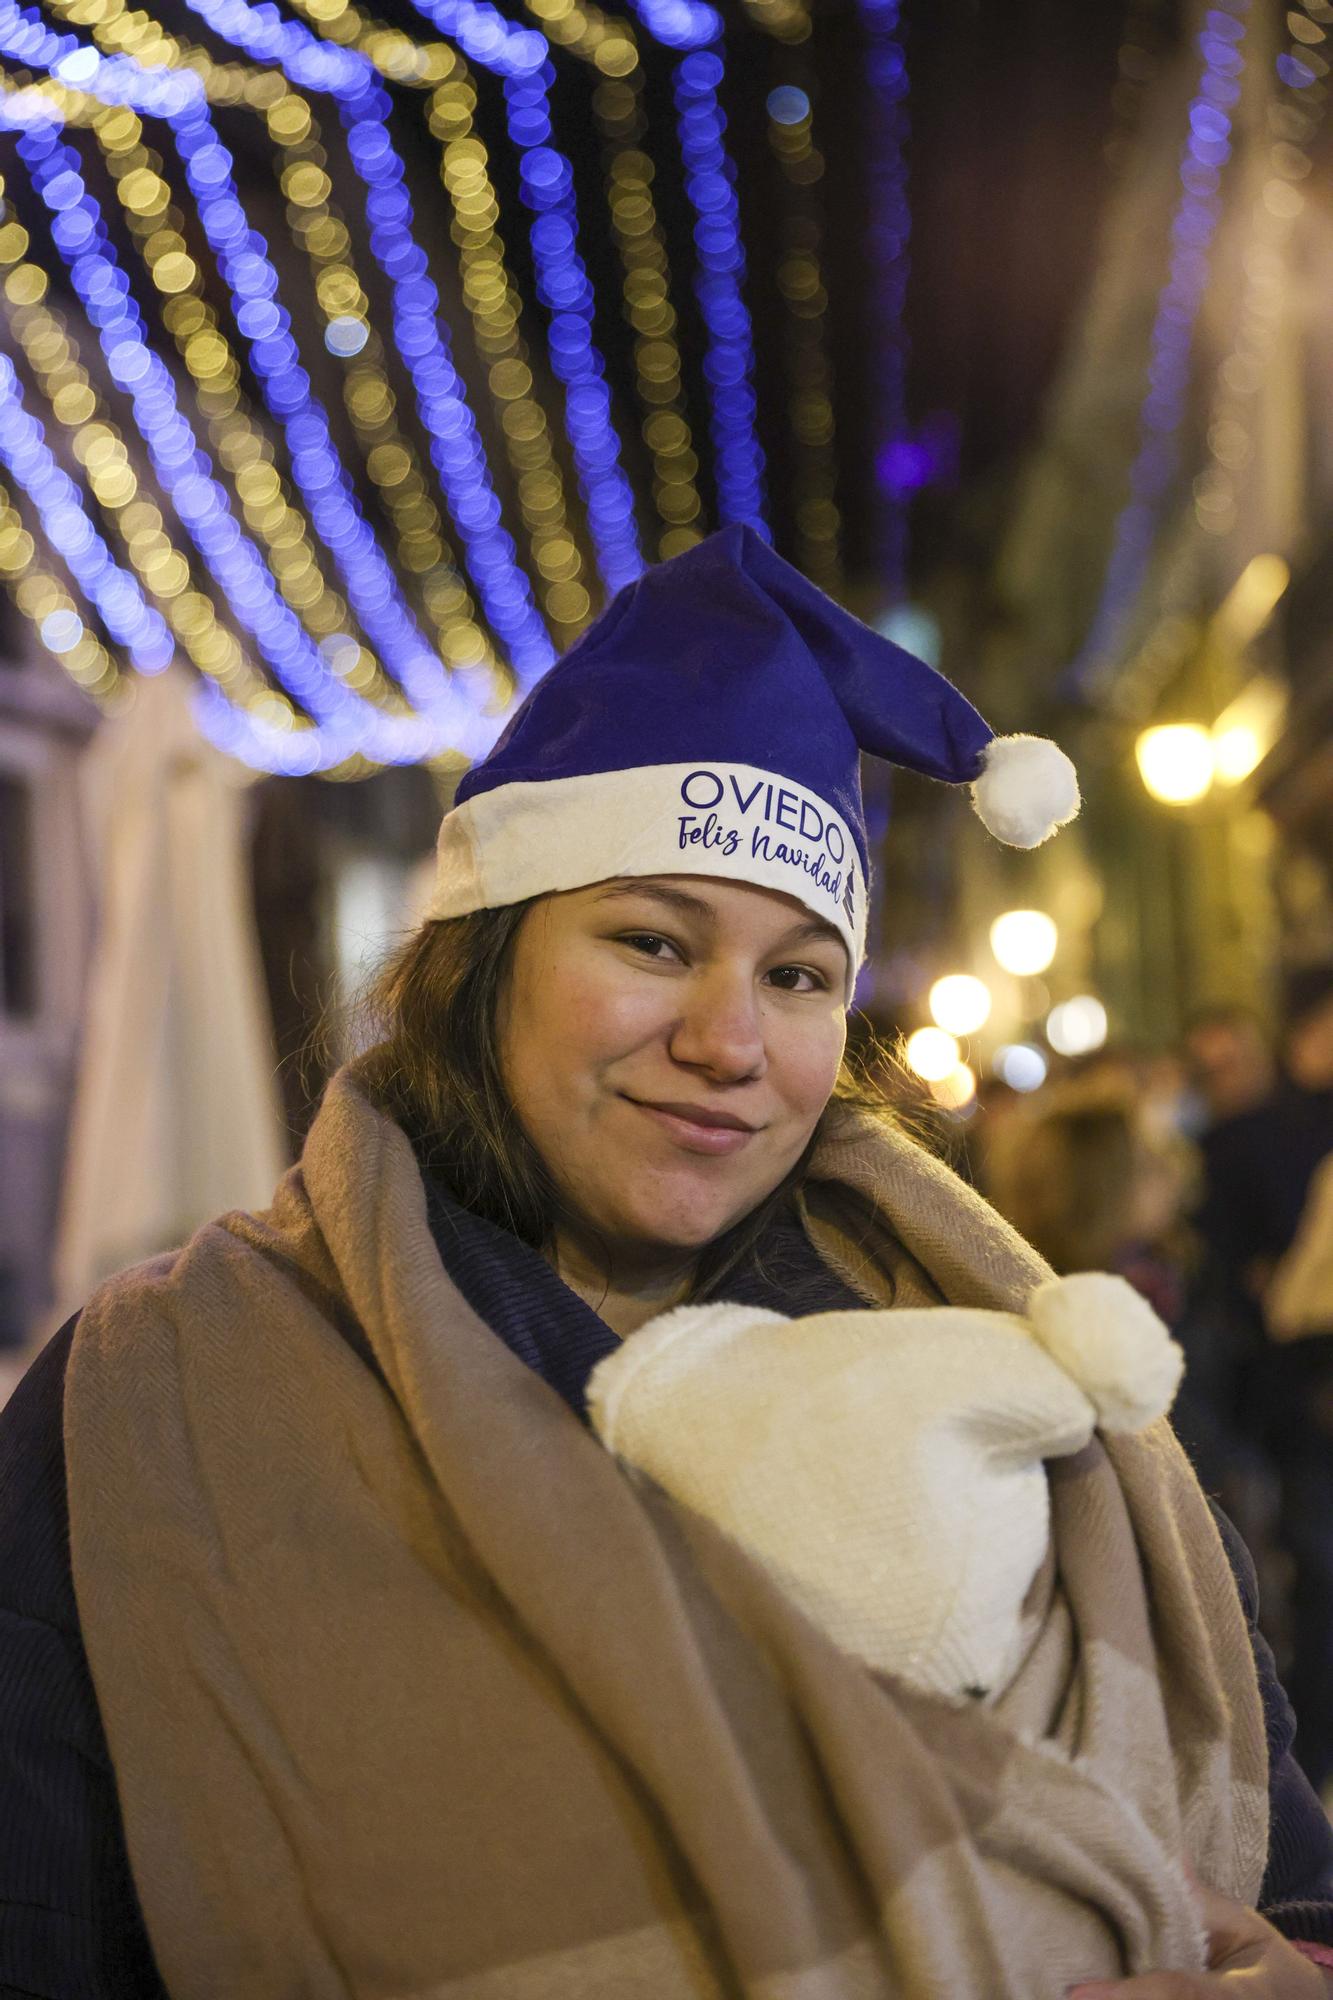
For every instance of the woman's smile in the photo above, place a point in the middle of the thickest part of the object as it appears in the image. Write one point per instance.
(694, 1135)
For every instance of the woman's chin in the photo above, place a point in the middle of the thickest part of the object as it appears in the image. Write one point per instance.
(693, 1218)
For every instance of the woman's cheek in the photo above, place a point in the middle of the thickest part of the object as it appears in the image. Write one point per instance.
(615, 1017)
(808, 1063)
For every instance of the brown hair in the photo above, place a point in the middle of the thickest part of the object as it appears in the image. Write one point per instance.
(436, 1071)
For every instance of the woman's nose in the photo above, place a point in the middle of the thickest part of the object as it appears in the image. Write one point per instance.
(719, 1027)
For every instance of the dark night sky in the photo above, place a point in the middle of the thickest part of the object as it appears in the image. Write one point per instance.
(1011, 114)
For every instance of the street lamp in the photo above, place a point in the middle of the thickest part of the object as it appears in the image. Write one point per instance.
(960, 1003)
(932, 1054)
(1177, 762)
(1024, 941)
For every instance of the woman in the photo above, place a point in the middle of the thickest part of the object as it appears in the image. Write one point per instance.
(405, 1688)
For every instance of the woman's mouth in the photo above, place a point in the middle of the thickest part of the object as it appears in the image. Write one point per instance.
(693, 1135)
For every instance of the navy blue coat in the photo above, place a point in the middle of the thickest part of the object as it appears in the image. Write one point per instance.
(70, 1924)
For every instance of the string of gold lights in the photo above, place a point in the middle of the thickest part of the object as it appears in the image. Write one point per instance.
(1138, 60)
(42, 598)
(610, 46)
(135, 520)
(155, 227)
(807, 362)
(392, 461)
(494, 308)
(118, 29)
(277, 495)
(641, 244)
(490, 296)
(587, 33)
(240, 439)
(786, 20)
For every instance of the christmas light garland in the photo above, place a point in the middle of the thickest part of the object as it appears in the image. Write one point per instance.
(808, 365)
(888, 245)
(209, 507)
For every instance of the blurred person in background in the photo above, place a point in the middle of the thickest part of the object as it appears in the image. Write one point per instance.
(1229, 1061)
(1269, 1129)
(1271, 1330)
(1297, 1305)
(1231, 1070)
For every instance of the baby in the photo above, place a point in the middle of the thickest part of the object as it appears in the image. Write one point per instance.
(888, 1468)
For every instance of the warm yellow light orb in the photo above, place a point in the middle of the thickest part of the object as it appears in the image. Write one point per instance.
(1024, 941)
(1176, 762)
(960, 1003)
(932, 1054)
(956, 1090)
(1236, 752)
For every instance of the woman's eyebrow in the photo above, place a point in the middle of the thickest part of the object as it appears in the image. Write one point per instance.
(814, 929)
(675, 899)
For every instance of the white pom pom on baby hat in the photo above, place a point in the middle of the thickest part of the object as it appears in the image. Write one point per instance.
(1109, 1340)
(1027, 788)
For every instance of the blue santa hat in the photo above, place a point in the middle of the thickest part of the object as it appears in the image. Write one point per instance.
(711, 722)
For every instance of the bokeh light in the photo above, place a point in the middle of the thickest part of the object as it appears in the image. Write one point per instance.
(1176, 761)
(1019, 1064)
(1024, 941)
(956, 1090)
(960, 1003)
(932, 1054)
(1076, 1026)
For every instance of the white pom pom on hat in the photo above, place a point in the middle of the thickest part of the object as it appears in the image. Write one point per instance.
(1027, 789)
(1107, 1339)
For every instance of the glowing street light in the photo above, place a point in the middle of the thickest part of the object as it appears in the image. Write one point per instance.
(1177, 762)
(960, 1003)
(1236, 752)
(932, 1054)
(1024, 941)
(1247, 728)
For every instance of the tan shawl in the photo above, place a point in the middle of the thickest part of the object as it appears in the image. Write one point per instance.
(411, 1693)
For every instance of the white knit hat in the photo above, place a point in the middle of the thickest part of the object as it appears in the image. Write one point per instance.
(887, 1467)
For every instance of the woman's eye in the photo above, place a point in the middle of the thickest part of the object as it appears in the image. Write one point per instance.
(818, 983)
(645, 941)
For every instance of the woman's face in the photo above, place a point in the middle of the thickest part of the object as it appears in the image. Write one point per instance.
(640, 1010)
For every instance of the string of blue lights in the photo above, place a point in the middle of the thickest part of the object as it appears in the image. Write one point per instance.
(719, 288)
(446, 706)
(456, 446)
(119, 601)
(889, 244)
